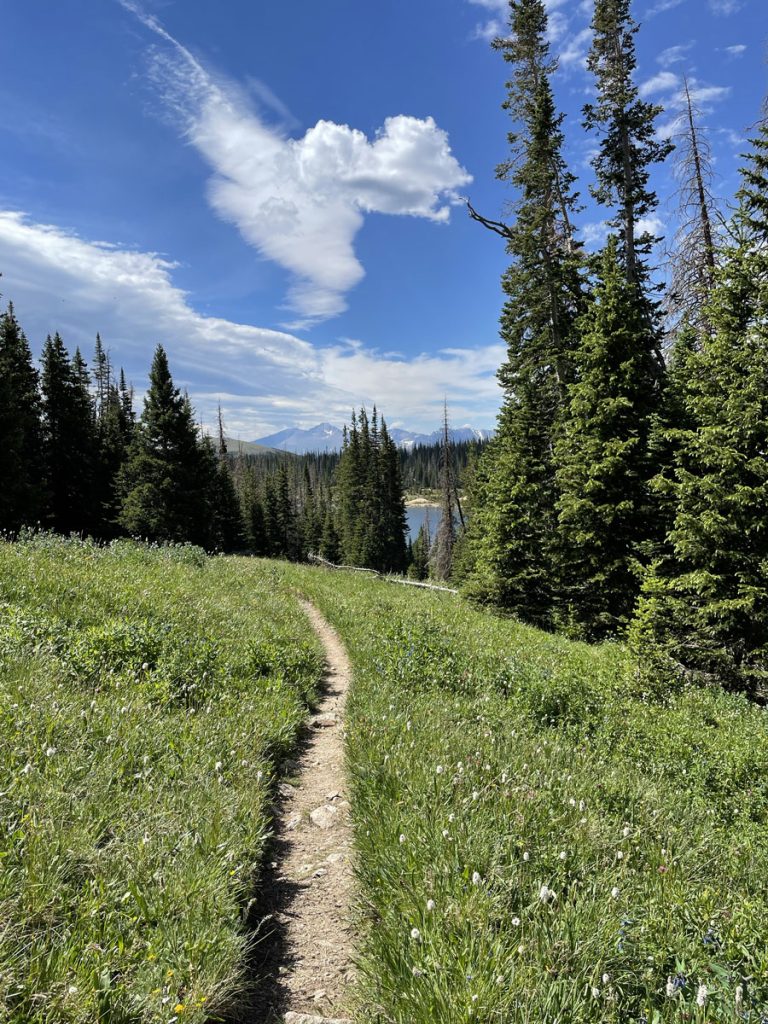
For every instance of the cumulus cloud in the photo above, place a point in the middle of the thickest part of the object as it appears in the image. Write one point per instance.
(674, 54)
(264, 379)
(664, 81)
(736, 51)
(662, 6)
(301, 202)
(726, 7)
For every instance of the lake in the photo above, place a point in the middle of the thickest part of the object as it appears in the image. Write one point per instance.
(418, 514)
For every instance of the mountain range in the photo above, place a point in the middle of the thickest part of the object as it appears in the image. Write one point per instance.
(326, 437)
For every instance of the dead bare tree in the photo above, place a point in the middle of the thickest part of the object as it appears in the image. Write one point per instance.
(692, 260)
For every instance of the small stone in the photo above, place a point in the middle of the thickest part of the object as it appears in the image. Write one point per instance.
(320, 994)
(325, 721)
(310, 1018)
(320, 872)
(332, 796)
(324, 817)
(334, 858)
(285, 789)
(293, 822)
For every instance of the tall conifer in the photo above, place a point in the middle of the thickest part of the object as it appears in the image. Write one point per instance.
(21, 456)
(510, 540)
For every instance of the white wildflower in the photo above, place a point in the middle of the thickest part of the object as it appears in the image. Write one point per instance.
(430, 905)
(451, 817)
(546, 894)
(515, 922)
(217, 766)
(619, 855)
(415, 933)
(739, 996)
(526, 856)
(701, 996)
(476, 878)
(606, 978)
(595, 992)
(572, 801)
(402, 838)
(670, 989)
(627, 831)
(563, 855)
(446, 834)
(615, 892)
(439, 770)
(50, 751)
(475, 794)
(416, 972)
(500, 979)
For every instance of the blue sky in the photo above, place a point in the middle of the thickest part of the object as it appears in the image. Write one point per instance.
(274, 190)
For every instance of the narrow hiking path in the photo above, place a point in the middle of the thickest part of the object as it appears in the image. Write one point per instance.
(309, 880)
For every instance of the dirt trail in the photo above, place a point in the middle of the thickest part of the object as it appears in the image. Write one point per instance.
(308, 885)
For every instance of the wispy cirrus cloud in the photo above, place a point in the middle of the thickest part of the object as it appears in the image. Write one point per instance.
(264, 379)
(302, 201)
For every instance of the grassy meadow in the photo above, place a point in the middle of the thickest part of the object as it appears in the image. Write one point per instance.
(544, 834)
(146, 697)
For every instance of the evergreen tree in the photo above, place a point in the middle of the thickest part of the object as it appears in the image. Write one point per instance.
(330, 543)
(708, 610)
(442, 560)
(510, 537)
(114, 428)
(629, 145)
(605, 509)
(69, 440)
(163, 496)
(21, 456)
(420, 553)
(226, 519)
(394, 524)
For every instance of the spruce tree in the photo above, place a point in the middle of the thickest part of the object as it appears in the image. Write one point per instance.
(510, 538)
(21, 454)
(163, 496)
(626, 125)
(393, 526)
(708, 611)
(605, 509)
(69, 441)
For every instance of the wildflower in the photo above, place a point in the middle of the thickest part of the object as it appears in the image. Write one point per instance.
(475, 794)
(474, 999)
(572, 801)
(515, 922)
(582, 805)
(619, 855)
(408, 726)
(430, 905)
(439, 770)
(50, 751)
(615, 892)
(526, 856)
(627, 831)
(563, 855)
(416, 972)
(521, 949)
(402, 839)
(451, 817)
(606, 978)
(595, 992)
(145, 666)
(476, 879)
(662, 869)
(72, 990)
(701, 996)
(500, 979)
(738, 997)
(27, 768)
(217, 766)
(415, 933)
(446, 834)
(546, 895)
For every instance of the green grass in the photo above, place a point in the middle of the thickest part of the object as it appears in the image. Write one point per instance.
(489, 760)
(146, 697)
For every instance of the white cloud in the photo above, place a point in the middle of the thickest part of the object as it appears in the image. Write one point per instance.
(664, 81)
(736, 51)
(674, 54)
(301, 202)
(264, 379)
(576, 49)
(662, 6)
(726, 7)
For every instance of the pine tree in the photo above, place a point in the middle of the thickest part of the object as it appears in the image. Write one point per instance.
(629, 145)
(708, 611)
(442, 560)
(114, 428)
(69, 440)
(420, 553)
(226, 525)
(21, 456)
(511, 531)
(394, 524)
(163, 496)
(605, 509)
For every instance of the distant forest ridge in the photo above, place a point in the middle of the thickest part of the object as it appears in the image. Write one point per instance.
(326, 437)
(419, 466)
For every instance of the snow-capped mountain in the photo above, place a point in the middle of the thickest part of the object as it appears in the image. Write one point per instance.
(325, 437)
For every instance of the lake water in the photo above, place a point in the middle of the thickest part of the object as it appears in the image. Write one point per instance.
(418, 514)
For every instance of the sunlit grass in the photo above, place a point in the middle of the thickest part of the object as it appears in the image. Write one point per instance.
(145, 699)
(544, 835)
